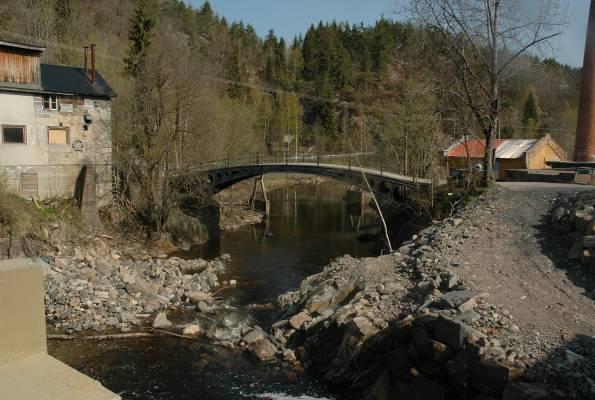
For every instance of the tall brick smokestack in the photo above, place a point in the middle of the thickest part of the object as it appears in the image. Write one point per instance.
(584, 149)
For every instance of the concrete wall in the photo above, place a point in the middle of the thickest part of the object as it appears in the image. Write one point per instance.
(21, 333)
(57, 165)
(552, 176)
(26, 370)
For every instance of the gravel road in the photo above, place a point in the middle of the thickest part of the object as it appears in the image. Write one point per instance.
(515, 256)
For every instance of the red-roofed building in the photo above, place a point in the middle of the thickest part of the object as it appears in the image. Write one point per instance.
(509, 154)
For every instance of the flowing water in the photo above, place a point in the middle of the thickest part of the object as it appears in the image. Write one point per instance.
(309, 226)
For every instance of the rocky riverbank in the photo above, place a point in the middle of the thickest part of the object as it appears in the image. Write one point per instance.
(409, 325)
(87, 293)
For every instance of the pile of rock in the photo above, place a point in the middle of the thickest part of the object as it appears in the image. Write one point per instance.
(345, 317)
(87, 293)
(574, 218)
(405, 323)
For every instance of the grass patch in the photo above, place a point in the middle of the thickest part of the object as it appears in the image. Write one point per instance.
(20, 217)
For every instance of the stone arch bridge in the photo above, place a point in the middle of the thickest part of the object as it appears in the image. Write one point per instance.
(354, 169)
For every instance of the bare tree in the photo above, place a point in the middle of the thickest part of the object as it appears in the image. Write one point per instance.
(483, 39)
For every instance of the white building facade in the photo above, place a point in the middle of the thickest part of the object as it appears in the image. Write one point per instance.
(53, 121)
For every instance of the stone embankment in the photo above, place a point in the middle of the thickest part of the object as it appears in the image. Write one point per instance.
(574, 218)
(407, 325)
(85, 293)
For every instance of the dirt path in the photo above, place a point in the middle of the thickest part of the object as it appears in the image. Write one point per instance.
(512, 254)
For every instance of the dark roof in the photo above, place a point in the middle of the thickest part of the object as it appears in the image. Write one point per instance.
(72, 80)
(22, 45)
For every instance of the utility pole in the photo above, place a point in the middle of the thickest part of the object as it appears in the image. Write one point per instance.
(361, 132)
(296, 138)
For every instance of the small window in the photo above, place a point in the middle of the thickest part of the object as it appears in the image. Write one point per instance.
(13, 134)
(58, 136)
(50, 102)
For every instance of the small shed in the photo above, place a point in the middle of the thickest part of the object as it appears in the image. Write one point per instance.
(530, 154)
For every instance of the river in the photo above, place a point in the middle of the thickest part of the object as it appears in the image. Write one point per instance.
(308, 227)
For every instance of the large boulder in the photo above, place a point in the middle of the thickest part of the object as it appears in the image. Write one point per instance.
(298, 320)
(253, 336)
(142, 285)
(263, 350)
(456, 298)
(491, 377)
(197, 297)
(329, 297)
(192, 330)
(161, 321)
(454, 334)
(582, 219)
(362, 328)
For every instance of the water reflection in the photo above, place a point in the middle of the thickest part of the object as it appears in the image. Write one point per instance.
(309, 225)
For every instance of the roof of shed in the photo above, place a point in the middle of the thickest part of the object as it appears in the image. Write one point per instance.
(476, 148)
(515, 148)
(22, 46)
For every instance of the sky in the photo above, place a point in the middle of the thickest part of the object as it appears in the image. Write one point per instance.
(289, 18)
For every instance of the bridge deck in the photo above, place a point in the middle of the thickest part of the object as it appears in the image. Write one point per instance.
(338, 167)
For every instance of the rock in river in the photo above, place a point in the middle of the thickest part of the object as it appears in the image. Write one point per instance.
(263, 350)
(161, 321)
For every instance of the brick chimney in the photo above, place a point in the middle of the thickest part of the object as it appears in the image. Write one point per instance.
(90, 74)
(86, 61)
(584, 149)
(93, 67)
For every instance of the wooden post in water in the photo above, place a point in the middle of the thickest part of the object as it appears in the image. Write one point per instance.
(253, 201)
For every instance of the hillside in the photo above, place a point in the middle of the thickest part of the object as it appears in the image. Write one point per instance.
(340, 87)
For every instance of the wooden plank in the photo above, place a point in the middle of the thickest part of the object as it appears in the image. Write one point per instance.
(19, 66)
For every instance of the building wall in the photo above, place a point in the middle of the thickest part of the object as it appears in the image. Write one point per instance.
(55, 167)
(545, 150)
(504, 164)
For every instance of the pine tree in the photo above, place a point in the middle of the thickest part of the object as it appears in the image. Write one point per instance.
(235, 74)
(530, 116)
(139, 35)
(280, 63)
(310, 53)
(326, 109)
(206, 10)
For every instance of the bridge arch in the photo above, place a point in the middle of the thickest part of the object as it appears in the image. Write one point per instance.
(389, 187)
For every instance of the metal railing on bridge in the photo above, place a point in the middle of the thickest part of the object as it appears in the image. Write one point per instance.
(370, 160)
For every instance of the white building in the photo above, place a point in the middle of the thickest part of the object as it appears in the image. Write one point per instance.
(53, 121)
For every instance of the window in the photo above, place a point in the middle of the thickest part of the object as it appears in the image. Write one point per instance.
(13, 134)
(50, 102)
(58, 136)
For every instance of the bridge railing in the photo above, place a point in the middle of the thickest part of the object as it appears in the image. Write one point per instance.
(375, 161)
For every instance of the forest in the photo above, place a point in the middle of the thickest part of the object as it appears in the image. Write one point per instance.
(194, 86)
